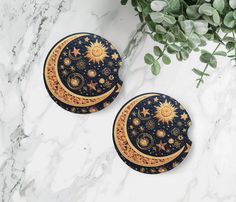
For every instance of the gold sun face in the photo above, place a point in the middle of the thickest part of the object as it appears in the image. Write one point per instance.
(96, 52)
(166, 112)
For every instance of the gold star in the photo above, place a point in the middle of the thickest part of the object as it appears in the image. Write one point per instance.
(72, 68)
(75, 51)
(141, 128)
(65, 73)
(114, 56)
(155, 99)
(161, 146)
(92, 86)
(184, 116)
(86, 39)
(145, 112)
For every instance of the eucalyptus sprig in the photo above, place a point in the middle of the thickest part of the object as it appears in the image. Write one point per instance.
(181, 27)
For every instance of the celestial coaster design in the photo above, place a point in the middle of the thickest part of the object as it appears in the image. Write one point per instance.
(150, 133)
(81, 73)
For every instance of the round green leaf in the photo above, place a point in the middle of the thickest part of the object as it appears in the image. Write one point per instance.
(160, 29)
(192, 12)
(155, 68)
(205, 57)
(170, 37)
(213, 62)
(206, 9)
(216, 17)
(157, 51)
(124, 2)
(229, 20)
(157, 17)
(166, 60)
(149, 59)
(219, 5)
(169, 19)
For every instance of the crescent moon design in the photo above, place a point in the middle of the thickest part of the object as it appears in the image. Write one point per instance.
(66, 95)
(125, 147)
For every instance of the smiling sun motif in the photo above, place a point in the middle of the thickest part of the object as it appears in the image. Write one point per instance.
(165, 113)
(96, 52)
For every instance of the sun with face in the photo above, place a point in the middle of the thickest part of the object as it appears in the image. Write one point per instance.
(96, 52)
(165, 113)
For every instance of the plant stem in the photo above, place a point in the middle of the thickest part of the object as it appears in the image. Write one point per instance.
(200, 80)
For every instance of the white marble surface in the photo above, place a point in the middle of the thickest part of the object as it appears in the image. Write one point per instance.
(50, 155)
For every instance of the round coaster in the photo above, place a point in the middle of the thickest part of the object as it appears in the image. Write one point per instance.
(81, 73)
(150, 133)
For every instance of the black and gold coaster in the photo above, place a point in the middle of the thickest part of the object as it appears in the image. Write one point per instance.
(150, 133)
(81, 73)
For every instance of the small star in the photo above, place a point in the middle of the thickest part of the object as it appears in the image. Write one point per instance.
(141, 128)
(184, 116)
(72, 68)
(92, 86)
(134, 113)
(86, 39)
(114, 56)
(145, 112)
(65, 73)
(155, 99)
(161, 146)
(75, 51)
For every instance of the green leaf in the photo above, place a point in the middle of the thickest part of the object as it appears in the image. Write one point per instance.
(229, 20)
(228, 39)
(157, 51)
(158, 37)
(134, 3)
(166, 60)
(234, 14)
(206, 9)
(123, 2)
(205, 57)
(194, 41)
(199, 72)
(230, 45)
(151, 26)
(184, 54)
(216, 17)
(158, 5)
(213, 62)
(187, 26)
(160, 29)
(174, 48)
(192, 12)
(157, 17)
(173, 6)
(219, 5)
(169, 19)
(155, 68)
(170, 37)
(220, 53)
(149, 59)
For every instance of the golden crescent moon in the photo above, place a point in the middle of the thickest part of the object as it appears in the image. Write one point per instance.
(57, 88)
(125, 146)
